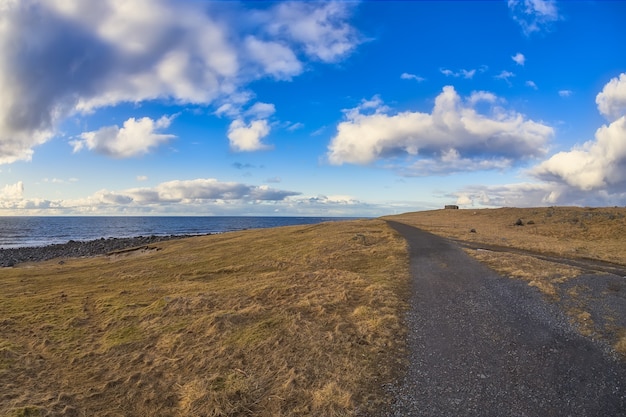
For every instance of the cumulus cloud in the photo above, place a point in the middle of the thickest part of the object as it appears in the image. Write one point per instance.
(454, 133)
(534, 15)
(519, 58)
(247, 137)
(12, 191)
(62, 57)
(320, 28)
(597, 164)
(276, 59)
(565, 93)
(12, 200)
(611, 100)
(593, 173)
(136, 137)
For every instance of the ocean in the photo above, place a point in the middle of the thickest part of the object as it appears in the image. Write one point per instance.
(18, 232)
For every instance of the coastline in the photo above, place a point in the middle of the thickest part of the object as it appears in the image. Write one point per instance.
(75, 249)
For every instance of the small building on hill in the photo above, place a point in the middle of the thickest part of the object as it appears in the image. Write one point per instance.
(451, 207)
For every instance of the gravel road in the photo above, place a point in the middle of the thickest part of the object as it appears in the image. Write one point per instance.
(483, 345)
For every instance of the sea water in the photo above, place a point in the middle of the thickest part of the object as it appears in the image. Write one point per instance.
(40, 231)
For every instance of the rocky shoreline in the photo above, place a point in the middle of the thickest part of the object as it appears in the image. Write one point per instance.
(75, 249)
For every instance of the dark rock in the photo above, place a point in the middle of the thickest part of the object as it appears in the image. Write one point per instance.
(13, 256)
(519, 222)
(473, 231)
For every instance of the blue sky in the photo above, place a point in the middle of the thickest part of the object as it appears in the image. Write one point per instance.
(169, 107)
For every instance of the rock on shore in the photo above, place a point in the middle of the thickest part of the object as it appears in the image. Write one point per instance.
(74, 249)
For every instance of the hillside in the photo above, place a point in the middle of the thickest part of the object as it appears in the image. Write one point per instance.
(289, 321)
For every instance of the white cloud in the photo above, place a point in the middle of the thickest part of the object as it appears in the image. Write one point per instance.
(598, 164)
(247, 137)
(319, 27)
(294, 126)
(276, 59)
(592, 174)
(261, 110)
(407, 76)
(12, 191)
(463, 200)
(142, 178)
(136, 137)
(478, 96)
(533, 194)
(204, 195)
(509, 195)
(454, 131)
(534, 15)
(532, 85)
(54, 180)
(519, 58)
(447, 72)
(504, 75)
(62, 57)
(232, 105)
(191, 193)
(467, 74)
(202, 189)
(565, 93)
(611, 100)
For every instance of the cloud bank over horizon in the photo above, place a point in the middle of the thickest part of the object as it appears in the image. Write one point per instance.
(207, 195)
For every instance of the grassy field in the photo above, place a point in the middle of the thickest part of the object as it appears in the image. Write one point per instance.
(597, 305)
(303, 320)
(289, 321)
(571, 232)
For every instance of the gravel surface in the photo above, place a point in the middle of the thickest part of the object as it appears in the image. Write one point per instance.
(74, 249)
(483, 345)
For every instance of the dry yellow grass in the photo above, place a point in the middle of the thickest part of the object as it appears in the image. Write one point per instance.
(536, 272)
(573, 232)
(567, 232)
(278, 322)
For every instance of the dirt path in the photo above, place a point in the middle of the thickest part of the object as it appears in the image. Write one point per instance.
(483, 345)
